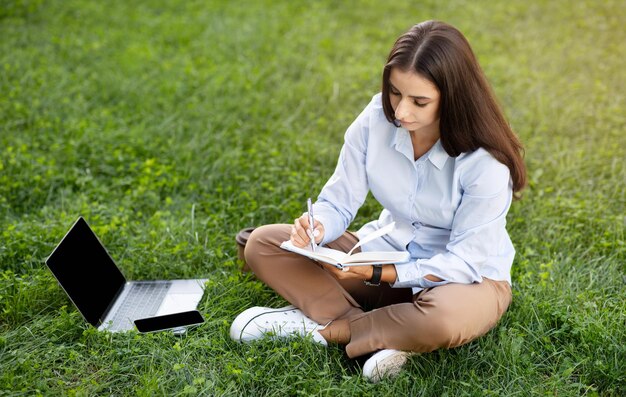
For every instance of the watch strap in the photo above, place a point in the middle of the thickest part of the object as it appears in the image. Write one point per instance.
(376, 276)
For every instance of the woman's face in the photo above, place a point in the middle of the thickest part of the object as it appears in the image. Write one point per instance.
(415, 101)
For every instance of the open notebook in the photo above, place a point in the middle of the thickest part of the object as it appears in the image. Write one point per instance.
(342, 259)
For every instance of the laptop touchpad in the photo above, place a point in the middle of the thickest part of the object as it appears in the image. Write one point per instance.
(174, 303)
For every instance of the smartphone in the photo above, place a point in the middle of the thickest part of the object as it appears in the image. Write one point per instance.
(174, 321)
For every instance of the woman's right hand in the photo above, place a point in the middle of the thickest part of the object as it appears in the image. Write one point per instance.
(300, 232)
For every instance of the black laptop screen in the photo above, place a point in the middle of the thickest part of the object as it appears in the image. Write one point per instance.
(86, 272)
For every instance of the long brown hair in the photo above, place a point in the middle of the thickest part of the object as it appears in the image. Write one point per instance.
(470, 117)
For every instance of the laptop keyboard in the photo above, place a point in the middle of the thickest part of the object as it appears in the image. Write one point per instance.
(143, 300)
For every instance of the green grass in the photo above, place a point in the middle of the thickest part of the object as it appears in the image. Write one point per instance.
(170, 125)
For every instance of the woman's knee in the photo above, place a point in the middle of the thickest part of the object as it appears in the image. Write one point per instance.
(263, 241)
(449, 323)
(443, 332)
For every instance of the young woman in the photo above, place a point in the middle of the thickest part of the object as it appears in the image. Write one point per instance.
(436, 151)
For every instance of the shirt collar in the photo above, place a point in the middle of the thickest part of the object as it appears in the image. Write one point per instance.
(437, 155)
(402, 143)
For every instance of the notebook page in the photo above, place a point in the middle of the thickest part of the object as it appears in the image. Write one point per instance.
(380, 232)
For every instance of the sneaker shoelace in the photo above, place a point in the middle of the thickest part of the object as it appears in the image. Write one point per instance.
(305, 325)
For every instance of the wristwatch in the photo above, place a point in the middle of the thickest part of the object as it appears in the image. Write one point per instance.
(376, 275)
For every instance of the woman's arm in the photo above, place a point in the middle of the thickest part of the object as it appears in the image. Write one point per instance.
(346, 190)
(365, 273)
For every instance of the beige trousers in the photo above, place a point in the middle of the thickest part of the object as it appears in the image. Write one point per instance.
(378, 317)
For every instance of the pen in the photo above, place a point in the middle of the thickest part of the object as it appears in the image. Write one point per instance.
(309, 206)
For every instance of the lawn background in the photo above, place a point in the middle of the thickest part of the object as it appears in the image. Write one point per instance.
(169, 125)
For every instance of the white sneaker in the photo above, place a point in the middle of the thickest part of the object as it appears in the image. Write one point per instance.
(254, 323)
(386, 363)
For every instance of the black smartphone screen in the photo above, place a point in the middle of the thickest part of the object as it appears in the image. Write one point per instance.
(169, 321)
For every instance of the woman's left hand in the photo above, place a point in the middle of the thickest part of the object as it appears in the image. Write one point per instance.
(358, 272)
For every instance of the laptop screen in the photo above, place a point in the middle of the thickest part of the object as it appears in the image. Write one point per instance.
(86, 272)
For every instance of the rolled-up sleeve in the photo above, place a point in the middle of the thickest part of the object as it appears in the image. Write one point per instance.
(477, 233)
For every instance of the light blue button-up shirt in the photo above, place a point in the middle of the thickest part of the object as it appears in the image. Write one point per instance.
(450, 212)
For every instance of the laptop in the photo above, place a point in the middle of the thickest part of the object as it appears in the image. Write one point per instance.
(101, 293)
